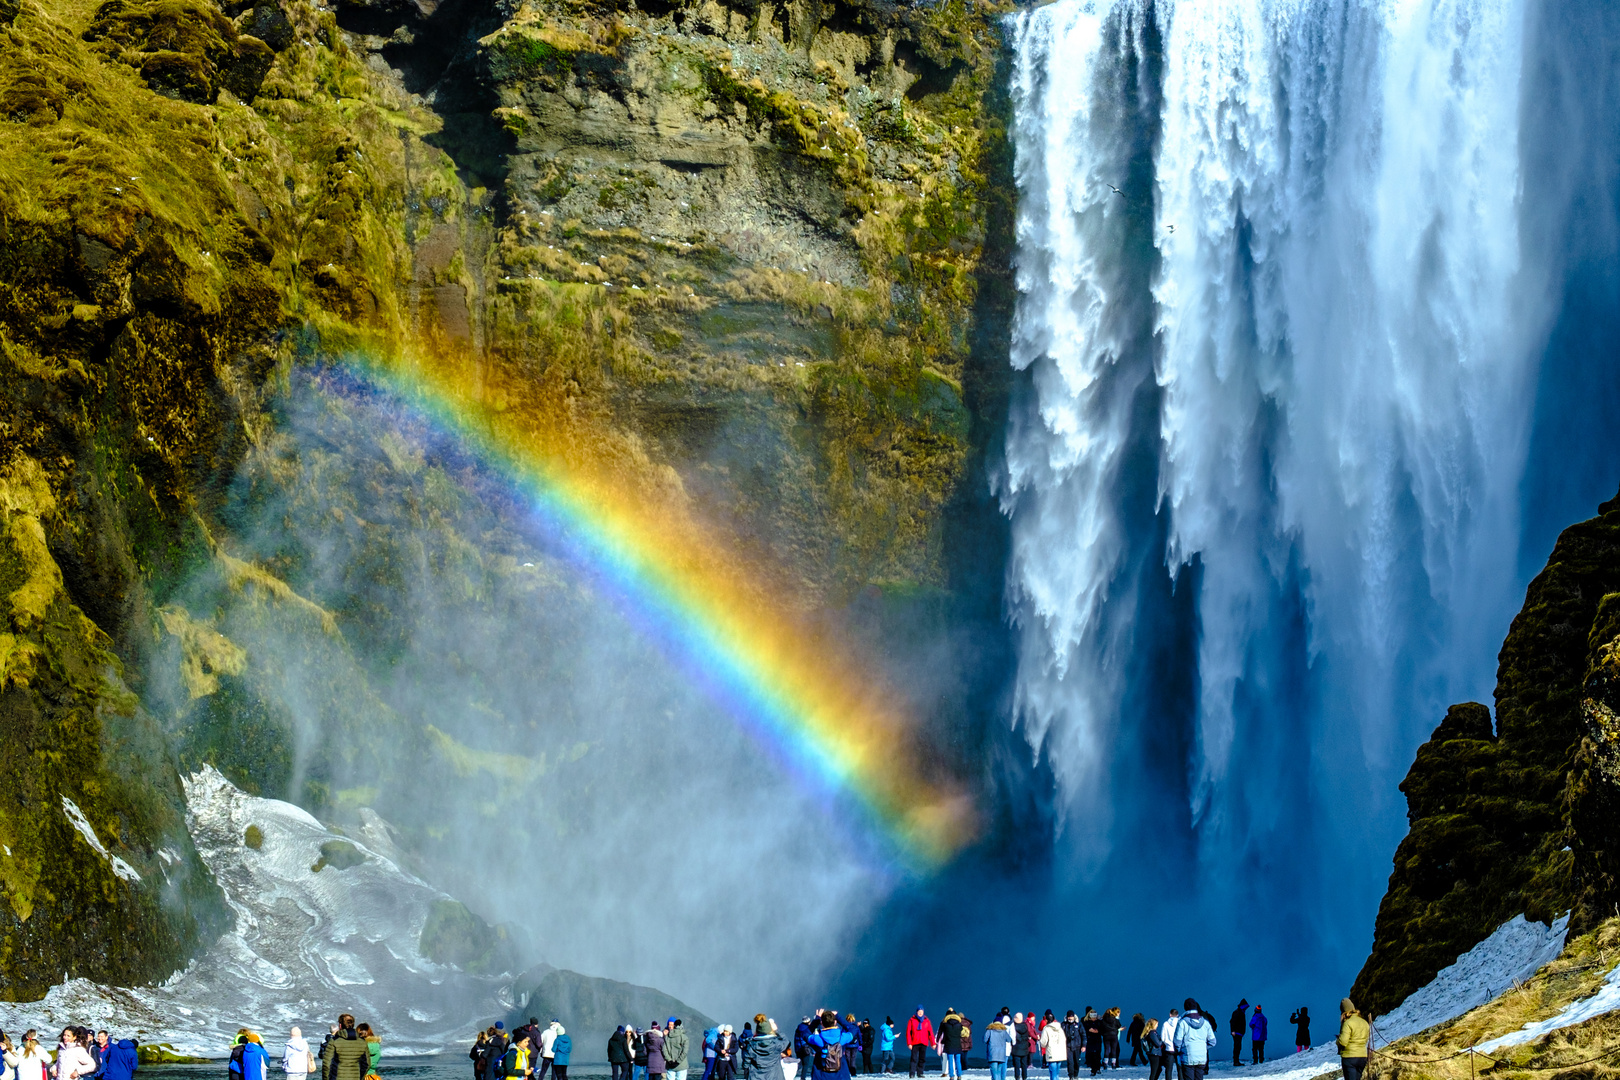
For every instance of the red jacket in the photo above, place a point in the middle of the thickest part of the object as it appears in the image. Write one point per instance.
(920, 1032)
(1032, 1035)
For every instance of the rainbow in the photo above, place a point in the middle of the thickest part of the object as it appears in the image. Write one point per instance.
(812, 703)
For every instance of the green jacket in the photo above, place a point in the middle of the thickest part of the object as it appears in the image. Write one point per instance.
(516, 1063)
(345, 1058)
(675, 1050)
(1353, 1035)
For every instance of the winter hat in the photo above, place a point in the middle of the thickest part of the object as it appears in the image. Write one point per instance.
(1346, 1005)
(499, 1026)
(1244, 1004)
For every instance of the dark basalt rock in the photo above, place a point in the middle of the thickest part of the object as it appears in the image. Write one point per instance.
(1516, 819)
(184, 49)
(269, 24)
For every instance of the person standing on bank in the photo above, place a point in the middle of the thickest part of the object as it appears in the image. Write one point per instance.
(562, 1049)
(1257, 1037)
(950, 1044)
(919, 1037)
(677, 1047)
(1195, 1036)
(618, 1055)
(1134, 1034)
(1018, 1057)
(346, 1056)
(1074, 1038)
(887, 1035)
(516, 1064)
(998, 1042)
(1151, 1048)
(1301, 1019)
(1239, 1027)
(295, 1056)
(1354, 1032)
(1054, 1045)
(726, 1051)
(762, 1057)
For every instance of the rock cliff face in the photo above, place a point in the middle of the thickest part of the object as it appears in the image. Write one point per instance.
(1519, 816)
(759, 251)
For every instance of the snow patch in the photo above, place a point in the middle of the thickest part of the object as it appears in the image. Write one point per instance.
(1515, 951)
(76, 818)
(302, 946)
(1605, 1000)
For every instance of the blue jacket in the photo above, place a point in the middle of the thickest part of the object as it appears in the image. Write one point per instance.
(1257, 1026)
(119, 1061)
(826, 1039)
(709, 1038)
(886, 1036)
(997, 1042)
(255, 1062)
(561, 1047)
(1194, 1036)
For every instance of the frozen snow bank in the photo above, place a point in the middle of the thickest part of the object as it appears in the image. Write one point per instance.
(1514, 952)
(1605, 1000)
(304, 946)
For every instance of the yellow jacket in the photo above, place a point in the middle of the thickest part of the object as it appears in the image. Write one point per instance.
(1353, 1035)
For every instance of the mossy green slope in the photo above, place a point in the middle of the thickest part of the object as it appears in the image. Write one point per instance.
(197, 200)
(142, 280)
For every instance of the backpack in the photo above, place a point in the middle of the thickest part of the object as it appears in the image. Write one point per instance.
(830, 1058)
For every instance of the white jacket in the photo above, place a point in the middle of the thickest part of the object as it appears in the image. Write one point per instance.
(33, 1066)
(547, 1037)
(1167, 1034)
(9, 1071)
(74, 1061)
(295, 1058)
(1054, 1044)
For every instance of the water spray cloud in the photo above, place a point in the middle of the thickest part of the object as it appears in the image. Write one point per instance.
(718, 618)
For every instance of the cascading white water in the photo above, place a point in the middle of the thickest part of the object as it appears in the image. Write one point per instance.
(1312, 288)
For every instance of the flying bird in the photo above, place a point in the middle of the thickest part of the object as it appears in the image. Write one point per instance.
(1116, 191)
(1172, 228)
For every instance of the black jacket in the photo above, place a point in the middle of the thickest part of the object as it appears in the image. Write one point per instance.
(1301, 1019)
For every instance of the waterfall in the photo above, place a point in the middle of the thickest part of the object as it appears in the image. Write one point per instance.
(1263, 480)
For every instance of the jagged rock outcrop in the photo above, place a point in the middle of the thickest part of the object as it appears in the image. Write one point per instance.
(756, 251)
(1519, 816)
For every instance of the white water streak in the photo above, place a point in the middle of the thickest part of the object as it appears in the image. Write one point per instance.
(1342, 389)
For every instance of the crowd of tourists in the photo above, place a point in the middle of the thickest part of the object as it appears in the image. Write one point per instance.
(80, 1054)
(824, 1045)
(830, 1046)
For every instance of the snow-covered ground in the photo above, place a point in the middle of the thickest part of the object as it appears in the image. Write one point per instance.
(305, 946)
